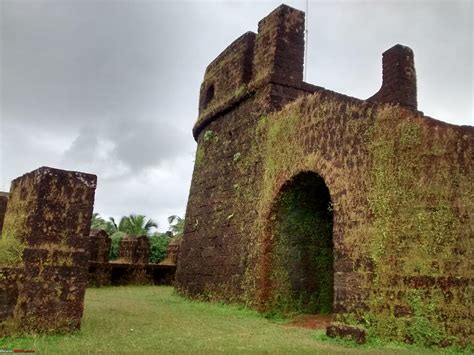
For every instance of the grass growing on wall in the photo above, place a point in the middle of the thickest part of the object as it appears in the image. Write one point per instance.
(403, 197)
(11, 251)
(419, 198)
(15, 224)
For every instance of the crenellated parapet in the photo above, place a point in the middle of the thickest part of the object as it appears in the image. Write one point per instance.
(271, 63)
(398, 79)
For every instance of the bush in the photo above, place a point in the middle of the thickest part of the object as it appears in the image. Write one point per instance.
(158, 246)
(11, 251)
(115, 244)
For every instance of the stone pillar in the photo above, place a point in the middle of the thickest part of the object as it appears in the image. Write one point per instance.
(49, 212)
(134, 250)
(127, 248)
(142, 253)
(172, 251)
(399, 78)
(279, 47)
(99, 246)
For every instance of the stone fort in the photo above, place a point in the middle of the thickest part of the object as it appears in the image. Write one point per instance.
(307, 200)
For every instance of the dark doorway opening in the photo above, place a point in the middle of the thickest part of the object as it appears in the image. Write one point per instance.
(302, 247)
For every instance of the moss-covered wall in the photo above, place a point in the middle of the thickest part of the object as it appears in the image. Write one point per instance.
(401, 199)
(3, 208)
(402, 195)
(44, 273)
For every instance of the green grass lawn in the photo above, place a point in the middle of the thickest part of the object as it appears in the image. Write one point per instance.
(152, 319)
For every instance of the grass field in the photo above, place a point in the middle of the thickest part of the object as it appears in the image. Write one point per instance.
(151, 319)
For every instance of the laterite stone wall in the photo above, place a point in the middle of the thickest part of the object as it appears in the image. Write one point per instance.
(99, 246)
(400, 187)
(132, 268)
(3, 207)
(45, 232)
(134, 249)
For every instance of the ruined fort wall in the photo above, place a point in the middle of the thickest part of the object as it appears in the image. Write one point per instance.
(399, 185)
(46, 238)
(213, 256)
(245, 82)
(3, 208)
(402, 199)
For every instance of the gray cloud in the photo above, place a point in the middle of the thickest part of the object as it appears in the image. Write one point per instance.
(111, 87)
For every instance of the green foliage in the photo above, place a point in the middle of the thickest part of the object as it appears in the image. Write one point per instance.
(137, 225)
(415, 197)
(134, 224)
(237, 157)
(158, 246)
(302, 247)
(199, 156)
(11, 251)
(98, 222)
(176, 226)
(115, 244)
(422, 330)
(210, 136)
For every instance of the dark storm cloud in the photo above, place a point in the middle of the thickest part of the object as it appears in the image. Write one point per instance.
(75, 62)
(111, 87)
(132, 143)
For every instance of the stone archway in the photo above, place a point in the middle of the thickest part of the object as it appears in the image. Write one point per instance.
(301, 227)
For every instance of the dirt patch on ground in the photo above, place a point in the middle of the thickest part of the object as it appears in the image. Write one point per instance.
(312, 321)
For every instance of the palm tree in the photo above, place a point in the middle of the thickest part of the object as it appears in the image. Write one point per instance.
(133, 224)
(176, 226)
(97, 222)
(136, 224)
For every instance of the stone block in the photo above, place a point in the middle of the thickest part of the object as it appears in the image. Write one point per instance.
(49, 212)
(357, 334)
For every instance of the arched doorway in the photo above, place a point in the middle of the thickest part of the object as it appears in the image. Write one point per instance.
(301, 226)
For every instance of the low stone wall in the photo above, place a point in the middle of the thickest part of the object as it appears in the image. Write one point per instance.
(119, 274)
(132, 267)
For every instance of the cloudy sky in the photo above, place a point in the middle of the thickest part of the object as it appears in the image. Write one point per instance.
(111, 87)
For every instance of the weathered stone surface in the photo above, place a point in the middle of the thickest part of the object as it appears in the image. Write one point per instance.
(399, 77)
(3, 208)
(400, 186)
(132, 266)
(135, 250)
(172, 252)
(49, 213)
(99, 246)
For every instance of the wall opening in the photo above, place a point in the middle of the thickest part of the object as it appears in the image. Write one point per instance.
(209, 95)
(302, 247)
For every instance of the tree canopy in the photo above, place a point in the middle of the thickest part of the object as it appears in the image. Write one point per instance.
(135, 225)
